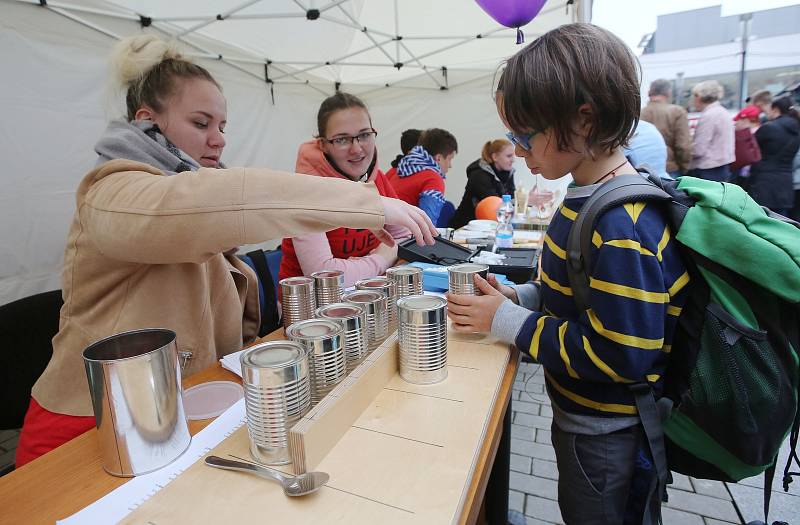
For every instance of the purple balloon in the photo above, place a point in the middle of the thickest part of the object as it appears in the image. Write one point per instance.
(512, 13)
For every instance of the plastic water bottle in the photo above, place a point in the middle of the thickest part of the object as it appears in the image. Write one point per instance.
(504, 235)
(506, 210)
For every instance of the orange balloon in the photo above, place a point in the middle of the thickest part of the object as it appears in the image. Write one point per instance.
(487, 208)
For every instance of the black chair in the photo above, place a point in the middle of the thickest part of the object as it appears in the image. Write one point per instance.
(266, 265)
(27, 327)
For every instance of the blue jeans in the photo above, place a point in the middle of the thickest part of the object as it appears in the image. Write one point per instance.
(718, 174)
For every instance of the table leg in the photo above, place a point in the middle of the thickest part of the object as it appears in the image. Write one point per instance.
(497, 488)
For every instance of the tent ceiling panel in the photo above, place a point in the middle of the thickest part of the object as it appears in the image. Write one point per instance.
(248, 33)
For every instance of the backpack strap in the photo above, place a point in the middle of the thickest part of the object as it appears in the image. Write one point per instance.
(651, 419)
(619, 190)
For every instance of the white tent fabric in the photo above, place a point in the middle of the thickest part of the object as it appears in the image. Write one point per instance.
(56, 103)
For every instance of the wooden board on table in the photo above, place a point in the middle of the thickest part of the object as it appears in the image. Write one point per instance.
(408, 457)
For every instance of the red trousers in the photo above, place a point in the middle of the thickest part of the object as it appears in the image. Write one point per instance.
(43, 431)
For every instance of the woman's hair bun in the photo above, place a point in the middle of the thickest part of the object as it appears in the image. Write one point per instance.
(133, 57)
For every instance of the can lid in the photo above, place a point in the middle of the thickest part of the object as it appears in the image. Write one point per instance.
(422, 302)
(314, 329)
(328, 273)
(273, 354)
(403, 270)
(293, 281)
(468, 267)
(363, 296)
(374, 283)
(340, 311)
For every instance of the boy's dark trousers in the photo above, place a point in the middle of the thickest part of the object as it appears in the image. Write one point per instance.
(602, 479)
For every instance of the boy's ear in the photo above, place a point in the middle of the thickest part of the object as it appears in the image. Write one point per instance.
(585, 119)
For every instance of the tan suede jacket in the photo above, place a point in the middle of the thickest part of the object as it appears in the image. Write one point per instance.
(146, 250)
(673, 123)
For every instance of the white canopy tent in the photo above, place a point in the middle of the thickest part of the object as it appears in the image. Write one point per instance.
(416, 63)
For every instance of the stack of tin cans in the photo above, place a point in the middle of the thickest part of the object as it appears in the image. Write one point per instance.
(374, 304)
(275, 377)
(353, 318)
(422, 338)
(323, 340)
(387, 287)
(298, 301)
(328, 286)
(461, 278)
(407, 279)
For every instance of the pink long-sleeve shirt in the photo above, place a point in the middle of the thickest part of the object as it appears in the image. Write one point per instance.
(714, 140)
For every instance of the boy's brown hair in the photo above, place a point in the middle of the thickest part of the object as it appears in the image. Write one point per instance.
(544, 84)
(438, 141)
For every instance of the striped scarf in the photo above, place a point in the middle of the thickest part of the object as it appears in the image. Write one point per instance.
(418, 160)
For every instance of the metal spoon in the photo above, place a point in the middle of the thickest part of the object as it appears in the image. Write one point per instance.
(292, 485)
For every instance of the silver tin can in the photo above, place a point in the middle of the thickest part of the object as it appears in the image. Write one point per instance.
(422, 337)
(323, 340)
(353, 318)
(388, 288)
(297, 299)
(460, 278)
(135, 385)
(277, 393)
(408, 280)
(375, 306)
(328, 286)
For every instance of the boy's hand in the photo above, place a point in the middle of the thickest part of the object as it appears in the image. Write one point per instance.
(507, 291)
(474, 313)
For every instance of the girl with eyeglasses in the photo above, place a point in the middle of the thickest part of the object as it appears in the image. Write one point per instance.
(344, 149)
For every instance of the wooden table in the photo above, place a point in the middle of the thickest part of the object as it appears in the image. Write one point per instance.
(71, 477)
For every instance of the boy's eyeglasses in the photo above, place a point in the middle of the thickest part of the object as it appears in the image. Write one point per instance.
(364, 138)
(523, 140)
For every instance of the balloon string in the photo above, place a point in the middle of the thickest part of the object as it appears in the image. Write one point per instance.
(520, 36)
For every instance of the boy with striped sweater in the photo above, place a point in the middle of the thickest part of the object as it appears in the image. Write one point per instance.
(584, 82)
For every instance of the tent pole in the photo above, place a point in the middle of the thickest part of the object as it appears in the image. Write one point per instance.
(355, 26)
(397, 32)
(415, 59)
(221, 16)
(453, 37)
(366, 33)
(331, 5)
(317, 65)
(228, 62)
(89, 10)
(460, 43)
(83, 22)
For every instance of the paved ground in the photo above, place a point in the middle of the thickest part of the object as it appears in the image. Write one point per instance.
(691, 501)
(534, 474)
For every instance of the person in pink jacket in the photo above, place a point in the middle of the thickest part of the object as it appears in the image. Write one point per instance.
(345, 149)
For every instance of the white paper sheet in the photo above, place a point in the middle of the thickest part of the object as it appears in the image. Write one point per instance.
(117, 504)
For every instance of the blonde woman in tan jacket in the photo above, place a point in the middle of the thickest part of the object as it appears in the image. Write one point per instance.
(157, 219)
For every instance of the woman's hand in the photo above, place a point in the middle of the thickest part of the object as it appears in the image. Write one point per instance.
(507, 291)
(400, 213)
(387, 253)
(474, 313)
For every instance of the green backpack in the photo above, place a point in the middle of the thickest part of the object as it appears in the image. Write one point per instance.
(734, 366)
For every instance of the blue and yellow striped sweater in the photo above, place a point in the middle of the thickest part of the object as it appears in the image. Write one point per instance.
(638, 284)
